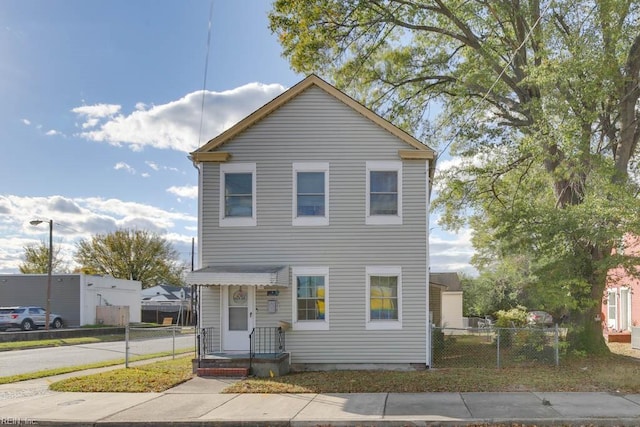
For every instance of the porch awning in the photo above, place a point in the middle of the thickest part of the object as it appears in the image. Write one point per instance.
(246, 275)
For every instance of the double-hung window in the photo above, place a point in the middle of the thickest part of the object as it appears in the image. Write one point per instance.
(311, 298)
(238, 194)
(384, 193)
(384, 298)
(310, 194)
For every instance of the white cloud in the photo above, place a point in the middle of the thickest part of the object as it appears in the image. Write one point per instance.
(89, 123)
(174, 125)
(80, 218)
(97, 111)
(52, 132)
(26, 122)
(189, 191)
(125, 166)
(153, 165)
(451, 251)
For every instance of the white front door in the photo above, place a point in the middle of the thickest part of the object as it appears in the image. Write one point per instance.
(237, 317)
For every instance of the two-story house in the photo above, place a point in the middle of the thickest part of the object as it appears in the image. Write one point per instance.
(313, 222)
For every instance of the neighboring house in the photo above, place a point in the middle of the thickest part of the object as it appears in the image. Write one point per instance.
(621, 304)
(163, 301)
(73, 296)
(313, 216)
(166, 293)
(451, 300)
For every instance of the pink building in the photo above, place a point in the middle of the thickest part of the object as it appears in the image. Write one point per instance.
(621, 299)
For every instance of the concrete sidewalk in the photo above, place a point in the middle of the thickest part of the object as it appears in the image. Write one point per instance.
(199, 402)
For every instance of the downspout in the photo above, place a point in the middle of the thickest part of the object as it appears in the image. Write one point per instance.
(198, 305)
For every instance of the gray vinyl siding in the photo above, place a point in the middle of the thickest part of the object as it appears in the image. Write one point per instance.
(209, 313)
(316, 127)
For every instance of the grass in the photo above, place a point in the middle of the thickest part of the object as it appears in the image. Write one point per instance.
(618, 372)
(57, 342)
(153, 377)
(66, 370)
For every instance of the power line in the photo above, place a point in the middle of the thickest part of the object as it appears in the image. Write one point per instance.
(206, 68)
(475, 108)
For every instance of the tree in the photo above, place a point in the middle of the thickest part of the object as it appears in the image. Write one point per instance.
(131, 254)
(538, 99)
(36, 260)
(500, 288)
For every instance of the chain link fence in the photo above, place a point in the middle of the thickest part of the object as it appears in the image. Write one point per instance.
(489, 346)
(164, 340)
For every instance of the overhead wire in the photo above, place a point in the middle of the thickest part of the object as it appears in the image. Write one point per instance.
(475, 108)
(206, 68)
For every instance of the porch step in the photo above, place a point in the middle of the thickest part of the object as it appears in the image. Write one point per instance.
(222, 372)
(624, 337)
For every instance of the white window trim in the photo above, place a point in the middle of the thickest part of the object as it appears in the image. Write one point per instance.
(310, 325)
(310, 220)
(383, 219)
(383, 324)
(240, 221)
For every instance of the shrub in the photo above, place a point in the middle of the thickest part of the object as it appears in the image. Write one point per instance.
(507, 320)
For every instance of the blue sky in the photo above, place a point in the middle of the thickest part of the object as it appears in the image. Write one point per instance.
(101, 104)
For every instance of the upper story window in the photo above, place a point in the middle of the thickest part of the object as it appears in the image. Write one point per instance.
(310, 194)
(311, 298)
(384, 193)
(384, 298)
(238, 194)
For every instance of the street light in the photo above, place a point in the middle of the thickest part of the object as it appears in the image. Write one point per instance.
(48, 307)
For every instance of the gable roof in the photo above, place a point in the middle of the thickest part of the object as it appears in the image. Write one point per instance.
(450, 280)
(416, 149)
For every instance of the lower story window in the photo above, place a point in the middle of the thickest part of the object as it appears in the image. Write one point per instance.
(310, 297)
(384, 298)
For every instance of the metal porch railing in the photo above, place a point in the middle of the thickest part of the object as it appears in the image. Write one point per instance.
(266, 342)
(205, 342)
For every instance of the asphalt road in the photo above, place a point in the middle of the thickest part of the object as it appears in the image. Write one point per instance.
(25, 361)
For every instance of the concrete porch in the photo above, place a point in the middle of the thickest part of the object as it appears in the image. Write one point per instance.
(242, 365)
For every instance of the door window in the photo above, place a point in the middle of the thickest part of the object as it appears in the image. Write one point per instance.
(238, 309)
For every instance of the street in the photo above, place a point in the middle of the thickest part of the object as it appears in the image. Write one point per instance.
(33, 360)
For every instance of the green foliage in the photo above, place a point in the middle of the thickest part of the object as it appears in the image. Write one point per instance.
(36, 260)
(131, 254)
(500, 288)
(537, 103)
(506, 321)
(534, 344)
(512, 318)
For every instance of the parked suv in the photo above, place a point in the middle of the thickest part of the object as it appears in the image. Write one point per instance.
(27, 318)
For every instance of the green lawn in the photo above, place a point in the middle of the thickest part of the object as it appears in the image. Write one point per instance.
(508, 347)
(152, 377)
(618, 372)
(57, 342)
